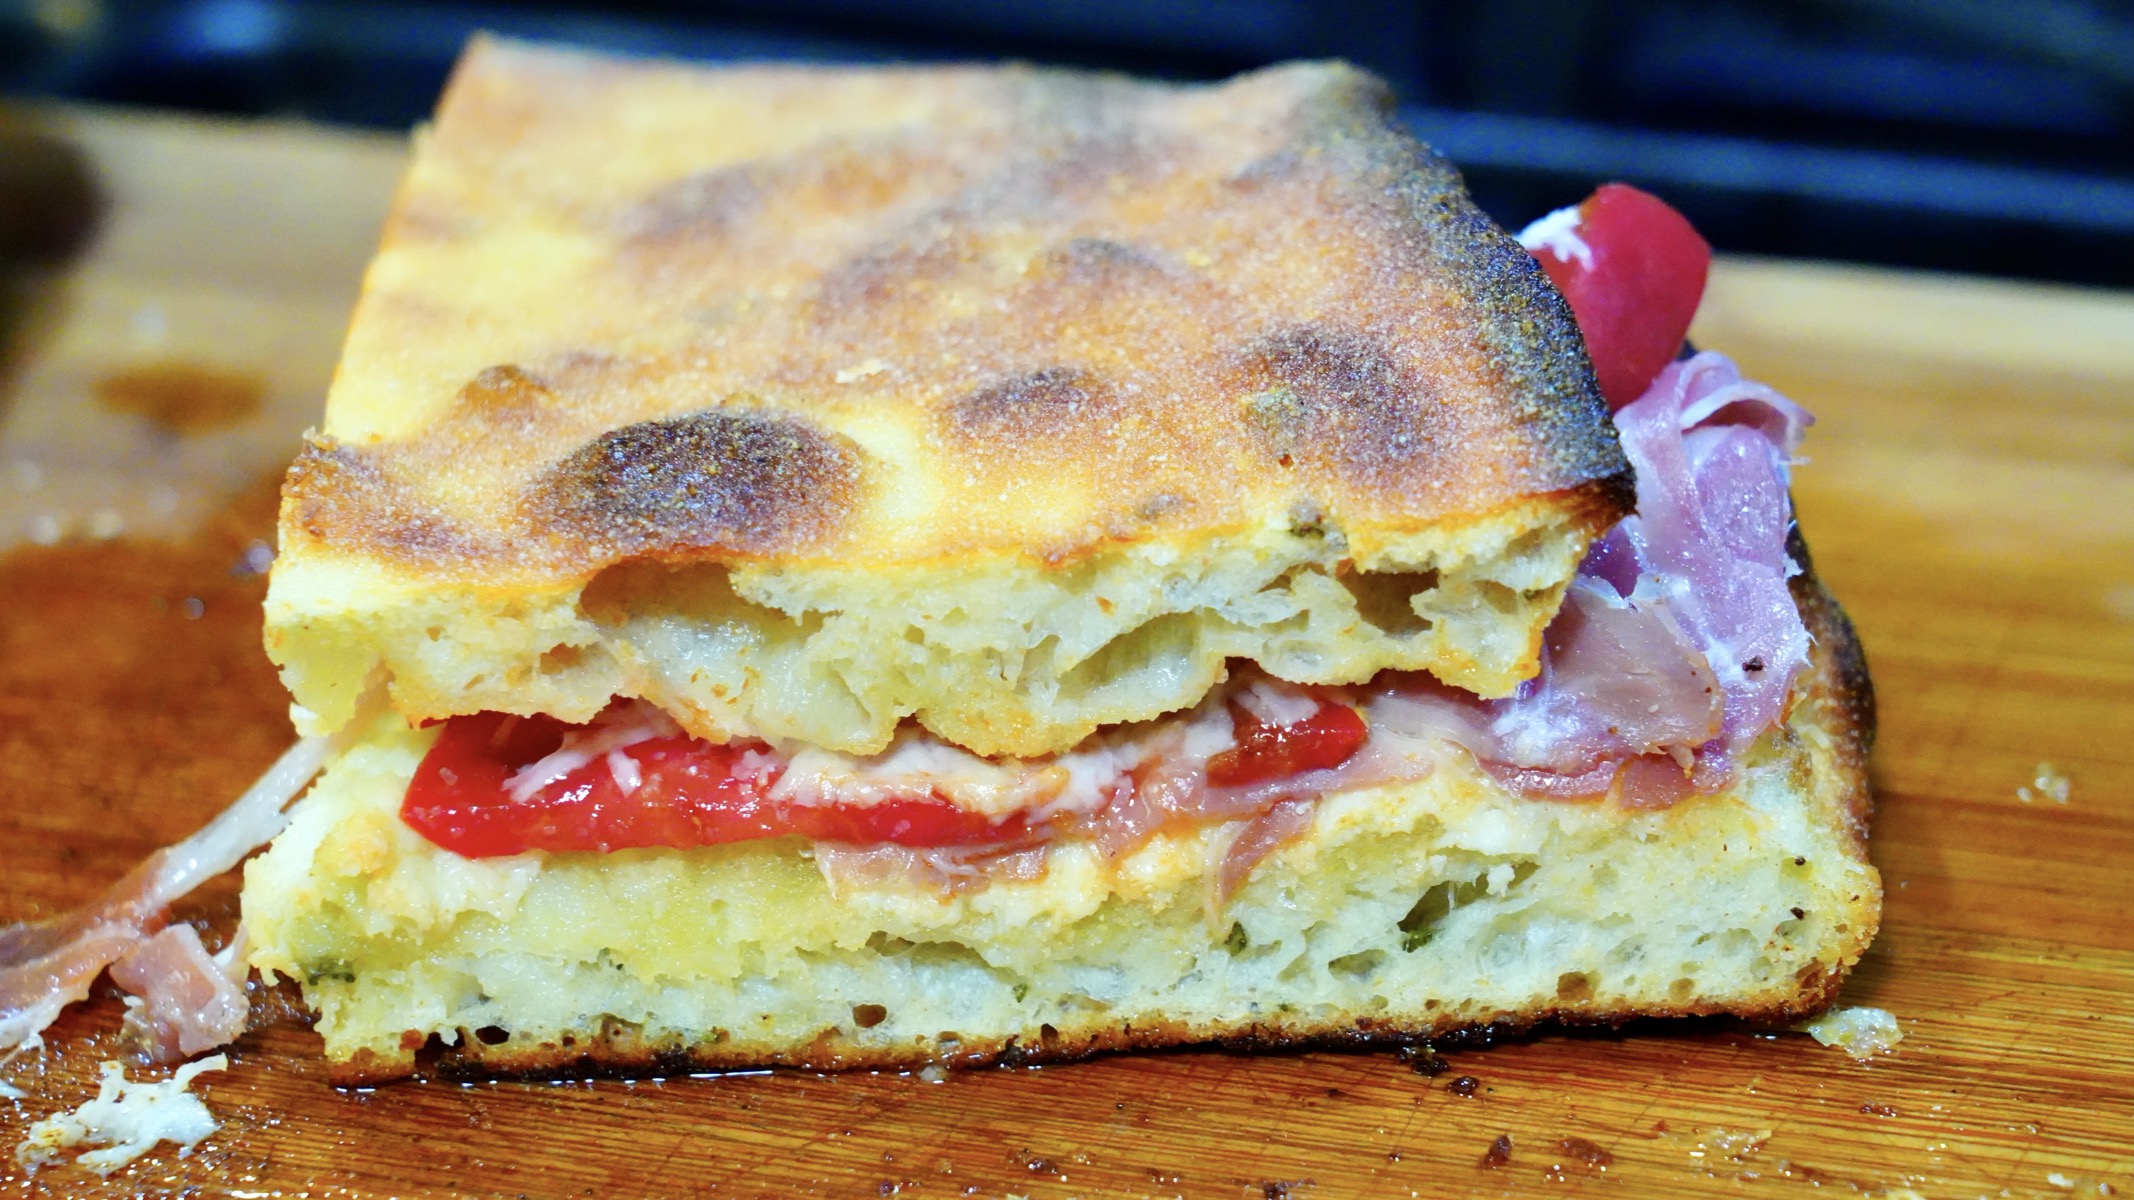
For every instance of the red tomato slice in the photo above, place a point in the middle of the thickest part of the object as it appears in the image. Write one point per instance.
(687, 795)
(1635, 298)
(1324, 739)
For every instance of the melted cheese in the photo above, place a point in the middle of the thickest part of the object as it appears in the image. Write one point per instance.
(632, 724)
(1557, 233)
(1276, 705)
(1080, 781)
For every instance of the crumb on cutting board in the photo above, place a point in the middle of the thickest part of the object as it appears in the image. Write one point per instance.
(2046, 783)
(1860, 1032)
(126, 1119)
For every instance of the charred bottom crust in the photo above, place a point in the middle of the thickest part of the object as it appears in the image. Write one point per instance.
(621, 1051)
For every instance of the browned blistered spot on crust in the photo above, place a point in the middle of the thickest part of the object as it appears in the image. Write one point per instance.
(706, 204)
(736, 482)
(1519, 339)
(1331, 397)
(344, 498)
(1040, 404)
(1099, 260)
(880, 276)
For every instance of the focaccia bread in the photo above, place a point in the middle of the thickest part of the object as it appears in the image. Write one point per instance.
(885, 567)
(804, 401)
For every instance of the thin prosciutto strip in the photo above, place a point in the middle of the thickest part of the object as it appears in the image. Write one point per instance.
(189, 1001)
(47, 965)
(1679, 640)
(1712, 452)
(1189, 776)
(1287, 821)
(1330, 741)
(947, 871)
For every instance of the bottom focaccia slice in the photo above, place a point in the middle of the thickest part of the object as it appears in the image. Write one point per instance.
(1406, 910)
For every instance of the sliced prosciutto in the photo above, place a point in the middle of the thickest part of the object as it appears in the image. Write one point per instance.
(1713, 452)
(47, 965)
(1620, 676)
(1287, 821)
(185, 1000)
(1679, 640)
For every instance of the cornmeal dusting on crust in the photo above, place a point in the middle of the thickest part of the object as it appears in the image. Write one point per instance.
(716, 481)
(902, 355)
(584, 245)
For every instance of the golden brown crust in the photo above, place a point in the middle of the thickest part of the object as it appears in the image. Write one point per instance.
(717, 482)
(641, 310)
(1836, 697)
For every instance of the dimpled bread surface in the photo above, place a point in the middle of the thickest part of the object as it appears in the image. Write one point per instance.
(805, 401)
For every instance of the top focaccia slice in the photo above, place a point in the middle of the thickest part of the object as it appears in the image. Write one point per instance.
(803, 401)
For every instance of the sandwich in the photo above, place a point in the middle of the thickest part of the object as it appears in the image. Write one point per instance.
(888, 567)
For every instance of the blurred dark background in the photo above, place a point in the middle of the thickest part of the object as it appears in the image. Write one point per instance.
(1991, 136)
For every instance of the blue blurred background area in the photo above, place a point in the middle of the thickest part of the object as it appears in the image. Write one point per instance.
(1992, 136)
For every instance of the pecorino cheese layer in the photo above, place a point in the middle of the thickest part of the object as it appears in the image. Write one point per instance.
(802, 401)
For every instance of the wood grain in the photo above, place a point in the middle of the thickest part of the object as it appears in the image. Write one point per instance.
(1970, 498)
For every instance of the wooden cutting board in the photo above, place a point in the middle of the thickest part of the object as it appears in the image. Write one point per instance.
(1970, 497)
